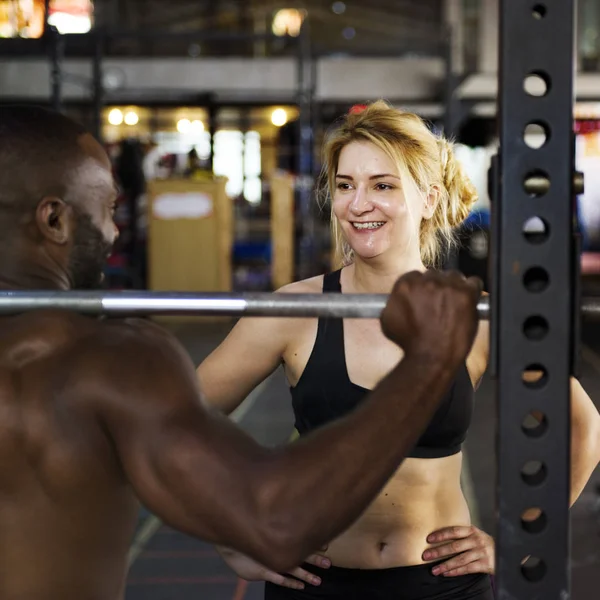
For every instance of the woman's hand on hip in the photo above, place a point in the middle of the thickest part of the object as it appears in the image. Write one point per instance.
(250, 570)
(471, 551)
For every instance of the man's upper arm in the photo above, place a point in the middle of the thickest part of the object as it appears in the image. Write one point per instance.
(190, 467)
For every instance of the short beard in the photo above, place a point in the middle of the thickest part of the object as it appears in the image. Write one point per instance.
(88, 254)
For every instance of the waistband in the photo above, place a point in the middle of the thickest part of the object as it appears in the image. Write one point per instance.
(410, 574)
(408, 583)
(415, 582)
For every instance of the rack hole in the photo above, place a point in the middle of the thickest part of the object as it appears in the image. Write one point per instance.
(535, 328)
(533, 520)
(536, 183)
(536, 230)
(535, 424)
(534, 472)
(536, 279)
(534, 376)
(537, 84)
(538, 11)
(536, 134)
(533, 568)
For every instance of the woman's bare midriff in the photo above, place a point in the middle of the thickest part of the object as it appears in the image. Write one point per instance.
(424, 495)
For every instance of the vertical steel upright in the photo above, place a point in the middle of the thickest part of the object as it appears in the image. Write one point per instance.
(533, 298)
(56, 55)
(304, 180)
(97, 85)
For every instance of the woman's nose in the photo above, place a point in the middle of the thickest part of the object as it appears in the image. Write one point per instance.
(360, 202)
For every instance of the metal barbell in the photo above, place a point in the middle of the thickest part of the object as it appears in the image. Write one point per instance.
(144, 303)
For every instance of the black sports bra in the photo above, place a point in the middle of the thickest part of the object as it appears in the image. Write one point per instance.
(325, 392)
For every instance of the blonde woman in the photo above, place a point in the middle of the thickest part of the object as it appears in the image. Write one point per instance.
(397, 193)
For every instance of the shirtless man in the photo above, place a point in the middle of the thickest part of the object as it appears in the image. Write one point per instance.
(97, 415)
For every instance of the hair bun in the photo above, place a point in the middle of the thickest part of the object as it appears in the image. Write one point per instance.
(462, 194)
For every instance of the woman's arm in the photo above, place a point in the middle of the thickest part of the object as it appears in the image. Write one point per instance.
(256, 347)
(472, 550)
(585, 439)
(249, 354)
(477, 361)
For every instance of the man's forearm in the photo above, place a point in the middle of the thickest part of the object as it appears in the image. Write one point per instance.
(341, 467)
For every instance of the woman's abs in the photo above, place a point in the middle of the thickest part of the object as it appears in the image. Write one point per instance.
(393, 531)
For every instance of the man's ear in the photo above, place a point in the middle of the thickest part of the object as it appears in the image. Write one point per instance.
(53, 219)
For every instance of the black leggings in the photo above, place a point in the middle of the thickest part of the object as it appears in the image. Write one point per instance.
(399, 583)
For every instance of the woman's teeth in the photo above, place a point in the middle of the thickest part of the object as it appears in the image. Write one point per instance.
(371, 225)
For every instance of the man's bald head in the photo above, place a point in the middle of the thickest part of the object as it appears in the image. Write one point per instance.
(38, 151)
(57, 193)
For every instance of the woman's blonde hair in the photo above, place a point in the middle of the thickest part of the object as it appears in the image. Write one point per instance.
(425, 161)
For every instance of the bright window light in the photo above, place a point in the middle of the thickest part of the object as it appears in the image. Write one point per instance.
(253, 190)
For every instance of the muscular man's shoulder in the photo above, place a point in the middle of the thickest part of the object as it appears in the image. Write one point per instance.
(54, 323)
(126, 335)
(130, 353)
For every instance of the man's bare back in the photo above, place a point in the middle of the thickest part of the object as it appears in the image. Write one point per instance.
(67, 511)
(96, 415)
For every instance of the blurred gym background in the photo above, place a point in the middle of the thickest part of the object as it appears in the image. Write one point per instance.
(228, 102)
(213, 112)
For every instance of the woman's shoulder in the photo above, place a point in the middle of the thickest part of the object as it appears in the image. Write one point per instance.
(313, 285)
(295, 329)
